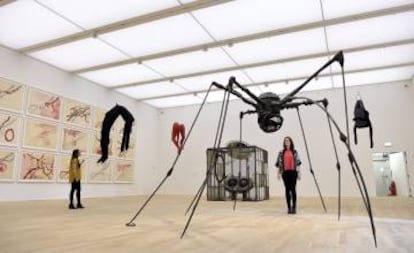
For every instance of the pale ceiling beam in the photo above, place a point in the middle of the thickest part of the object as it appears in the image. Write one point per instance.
(287, 81)
(266, 63)
(157, 15)
(5, 2)
(255, 36)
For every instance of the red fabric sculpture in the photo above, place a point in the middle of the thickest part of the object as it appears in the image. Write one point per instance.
(178, 130)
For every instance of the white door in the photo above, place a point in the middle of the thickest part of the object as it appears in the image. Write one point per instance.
(398, 167)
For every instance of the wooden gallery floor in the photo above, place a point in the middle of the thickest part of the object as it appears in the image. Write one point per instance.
(255, 227)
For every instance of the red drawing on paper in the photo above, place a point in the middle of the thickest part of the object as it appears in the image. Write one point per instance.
(52, 108)
(10, 90)
(44, 104)
(4, 160)
(40, 167)
(78, 112)
(6, 126)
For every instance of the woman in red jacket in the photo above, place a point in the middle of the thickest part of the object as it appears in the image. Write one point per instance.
(288, 164)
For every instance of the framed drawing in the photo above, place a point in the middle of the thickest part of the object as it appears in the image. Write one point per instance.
(43, 104)
(123, 171)
(40, 134)
(11, 95)
(118, 124)
(99, 172)
(9, 129)
(37, 166)
(117, 136)
(7, 164)
(96, 144)
(64, 164)
(126, 154)
(76, 113)
(73, 138)
(97, 118)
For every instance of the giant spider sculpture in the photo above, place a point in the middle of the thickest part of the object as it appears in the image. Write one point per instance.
(268, 107)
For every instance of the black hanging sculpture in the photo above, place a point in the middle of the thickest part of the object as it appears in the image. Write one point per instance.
(361, 118)
(110, 117)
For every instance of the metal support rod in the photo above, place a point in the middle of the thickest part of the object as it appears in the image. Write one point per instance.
(354, 164)
(339, 57)
(338, 165)
(247, 91)
(347, 140)
(309, 160)
(219, 135)
(241, 125)
(346, 107)
(236, 93)
(214, 145)
(130, 223)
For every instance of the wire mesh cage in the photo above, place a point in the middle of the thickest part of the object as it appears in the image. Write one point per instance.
(237, 172)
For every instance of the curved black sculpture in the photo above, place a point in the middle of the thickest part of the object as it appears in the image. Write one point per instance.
(110, 117)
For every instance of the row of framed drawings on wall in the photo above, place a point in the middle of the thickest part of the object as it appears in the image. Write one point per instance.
(36, 166)
(31, 133)
(39, 130)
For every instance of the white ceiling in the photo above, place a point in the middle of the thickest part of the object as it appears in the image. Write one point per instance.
(183, 53)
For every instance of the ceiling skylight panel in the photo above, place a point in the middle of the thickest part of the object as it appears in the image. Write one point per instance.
(322, 83)
(174, 101)
(79, 54)
(105, 11)
(151, 90)
(335, 8)
(285, 71)
(121, 75)
(203, 82)
(242, 17)
(281, 88)
(306, 67)
(266, 73)
(161, 35)
(379, 57)
(283, 46)
(218, 95)
(378, 76)
(24, 23)
(254, 89)
(215, 96)
(191, 62)
(370, 31)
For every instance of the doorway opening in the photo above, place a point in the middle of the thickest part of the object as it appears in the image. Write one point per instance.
(391, 174)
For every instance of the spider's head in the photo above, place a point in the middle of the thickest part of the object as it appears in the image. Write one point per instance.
(269, 117)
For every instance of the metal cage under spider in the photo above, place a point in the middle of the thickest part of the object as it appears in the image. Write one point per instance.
(268, 107)
(240, 172)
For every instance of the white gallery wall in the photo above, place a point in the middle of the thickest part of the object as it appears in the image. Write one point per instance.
(30, 72)
(391, 108)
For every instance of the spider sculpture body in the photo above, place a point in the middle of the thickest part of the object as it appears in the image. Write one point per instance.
(268, 107)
